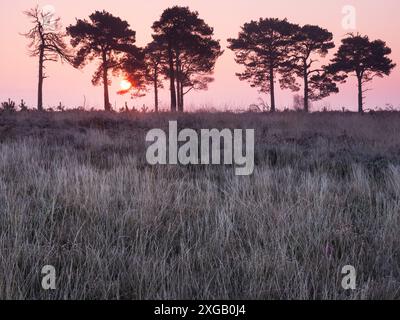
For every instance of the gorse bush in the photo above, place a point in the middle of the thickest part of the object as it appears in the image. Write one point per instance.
(8, 106)
(22, 106)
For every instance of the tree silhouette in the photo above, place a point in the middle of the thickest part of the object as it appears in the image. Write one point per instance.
(263, 47)
(310, 41)
(47, 42)
(134, 69)
(190, 51)
(155, 62)
(196, 66)
(366, 59)
(105, 37)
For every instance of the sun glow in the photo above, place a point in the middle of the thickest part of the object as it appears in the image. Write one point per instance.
(125, 85)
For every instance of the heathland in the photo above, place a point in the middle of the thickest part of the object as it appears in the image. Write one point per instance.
(77, 193)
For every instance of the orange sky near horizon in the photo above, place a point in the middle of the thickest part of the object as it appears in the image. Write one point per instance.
(67, 85)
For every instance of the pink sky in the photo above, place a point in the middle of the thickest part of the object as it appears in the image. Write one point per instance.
(378, 19)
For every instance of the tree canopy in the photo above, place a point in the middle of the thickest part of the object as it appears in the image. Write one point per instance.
(106, 37)
(365, 59)
(155, 62)
(185, 52)
(47, 42)
(262, 47)
(309, 43)
(190, 51)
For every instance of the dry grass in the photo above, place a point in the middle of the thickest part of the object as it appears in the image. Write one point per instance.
(76, 193)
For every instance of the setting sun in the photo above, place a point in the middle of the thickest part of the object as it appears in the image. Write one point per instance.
(125, 85)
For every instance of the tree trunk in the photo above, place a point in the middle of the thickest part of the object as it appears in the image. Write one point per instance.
(172, 79)
(40, 81)
(179, 82)
(107, 104)
(178, 89)
(155, 90)
(306, 102)
(360, 95)
(180, 96)
(182, 100)
(272, 85)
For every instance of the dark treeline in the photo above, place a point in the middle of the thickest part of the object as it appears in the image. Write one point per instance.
(183, 53)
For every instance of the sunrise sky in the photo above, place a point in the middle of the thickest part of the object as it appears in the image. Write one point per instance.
(378, 19)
